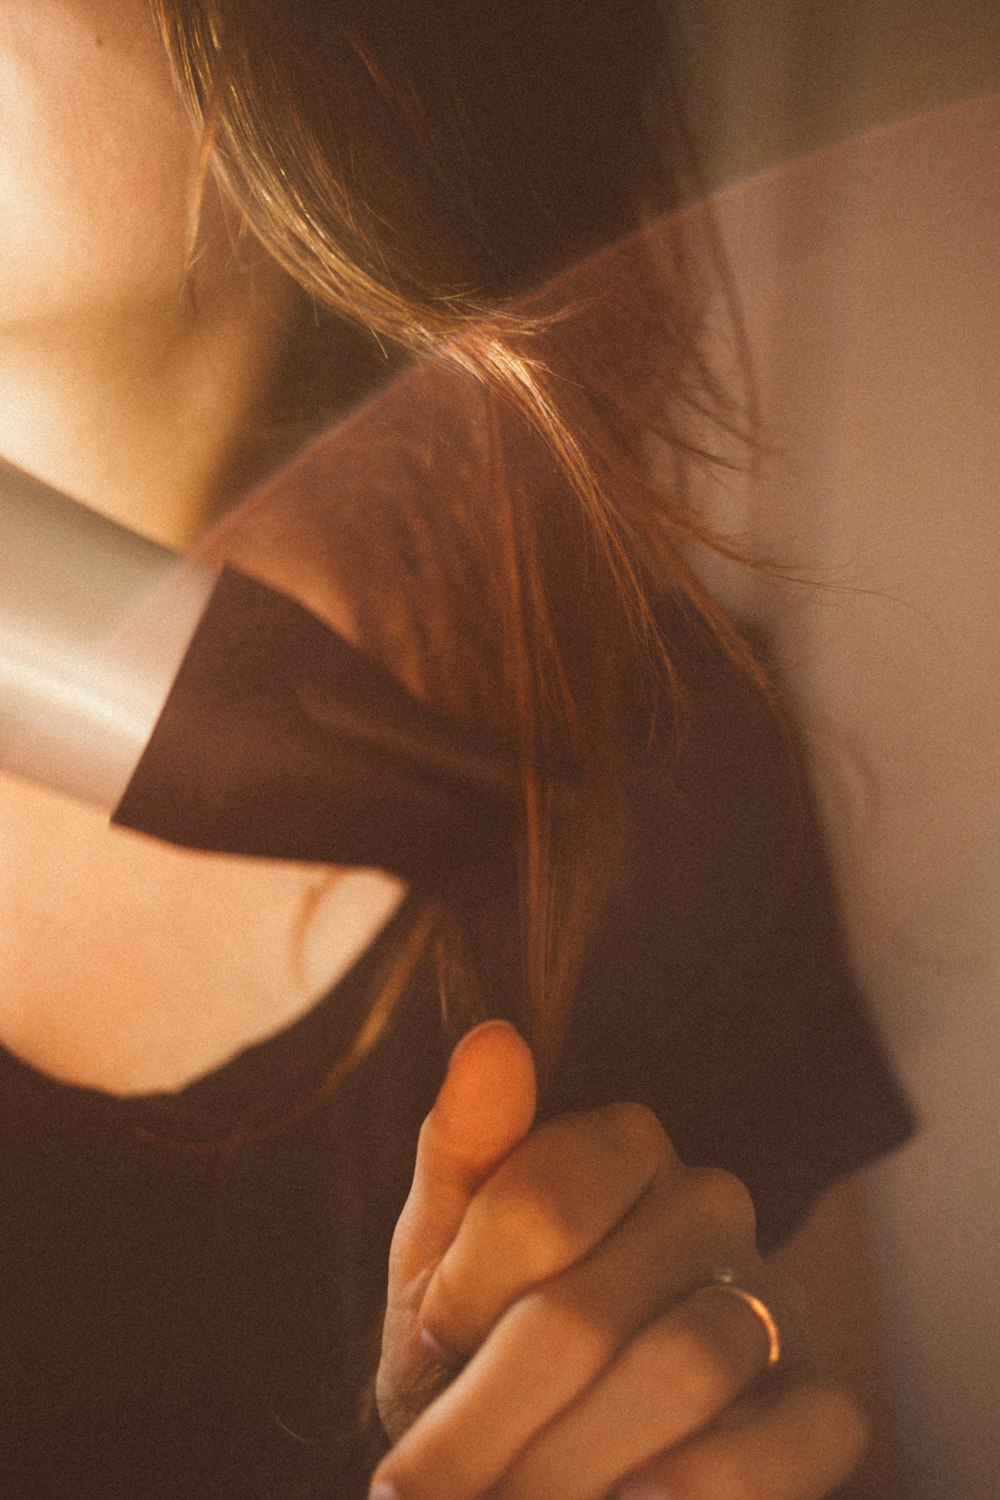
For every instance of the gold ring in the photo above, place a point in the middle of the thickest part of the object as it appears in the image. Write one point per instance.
(725, 1281)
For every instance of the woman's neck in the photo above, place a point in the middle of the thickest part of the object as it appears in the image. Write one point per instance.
(147, 416)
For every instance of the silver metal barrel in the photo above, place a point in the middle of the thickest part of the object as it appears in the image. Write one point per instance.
(94, 621)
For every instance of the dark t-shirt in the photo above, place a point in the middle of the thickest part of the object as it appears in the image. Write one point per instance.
(180, 1319)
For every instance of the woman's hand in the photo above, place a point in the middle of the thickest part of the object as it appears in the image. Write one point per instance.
(549, 1332)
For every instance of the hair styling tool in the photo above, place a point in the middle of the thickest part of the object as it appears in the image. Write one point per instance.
(207, 709)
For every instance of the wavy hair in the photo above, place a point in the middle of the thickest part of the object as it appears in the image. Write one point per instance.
(423, 169)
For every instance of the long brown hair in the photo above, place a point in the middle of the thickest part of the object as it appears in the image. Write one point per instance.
(421, 168)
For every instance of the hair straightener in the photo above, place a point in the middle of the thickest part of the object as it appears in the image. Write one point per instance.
(205, 708)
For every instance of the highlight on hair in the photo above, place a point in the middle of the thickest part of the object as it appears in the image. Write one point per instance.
(422, 170)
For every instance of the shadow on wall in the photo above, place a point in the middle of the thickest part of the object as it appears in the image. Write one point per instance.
(873, 317)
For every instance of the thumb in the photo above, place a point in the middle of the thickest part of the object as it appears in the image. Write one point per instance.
(485, 1107)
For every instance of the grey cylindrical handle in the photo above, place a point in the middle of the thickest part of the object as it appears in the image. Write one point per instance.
(94, 621)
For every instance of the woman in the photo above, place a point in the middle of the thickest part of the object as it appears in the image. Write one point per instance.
(197, 1270)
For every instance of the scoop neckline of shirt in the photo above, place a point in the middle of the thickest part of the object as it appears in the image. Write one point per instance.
(250, 1069)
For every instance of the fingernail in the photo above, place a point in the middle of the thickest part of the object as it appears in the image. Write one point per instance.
(482, 1026)
(383, 1490)
(437, 1350)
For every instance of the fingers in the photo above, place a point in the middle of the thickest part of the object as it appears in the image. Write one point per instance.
(486, 1105)
(544, 1209)
(789, 1442)
(672, 1381)
(540, 1411)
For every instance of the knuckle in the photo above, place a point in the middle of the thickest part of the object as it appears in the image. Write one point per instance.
(840, 1418)
(563, 1330)
(570, 1182)
(695, 1473)
(723, 1200)
(723, 1346)
(636, 1128)
(699, 1368)
(815, 1449)
(543, 1226)
(615, 1139)
(529, 1231)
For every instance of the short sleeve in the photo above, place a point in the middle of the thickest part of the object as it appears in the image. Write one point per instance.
(720, 991)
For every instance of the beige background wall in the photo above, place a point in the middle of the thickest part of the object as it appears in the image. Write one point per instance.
(873, 304)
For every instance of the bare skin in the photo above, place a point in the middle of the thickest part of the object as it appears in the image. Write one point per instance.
(548, 1331)
(131, 365)
(132, 348)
